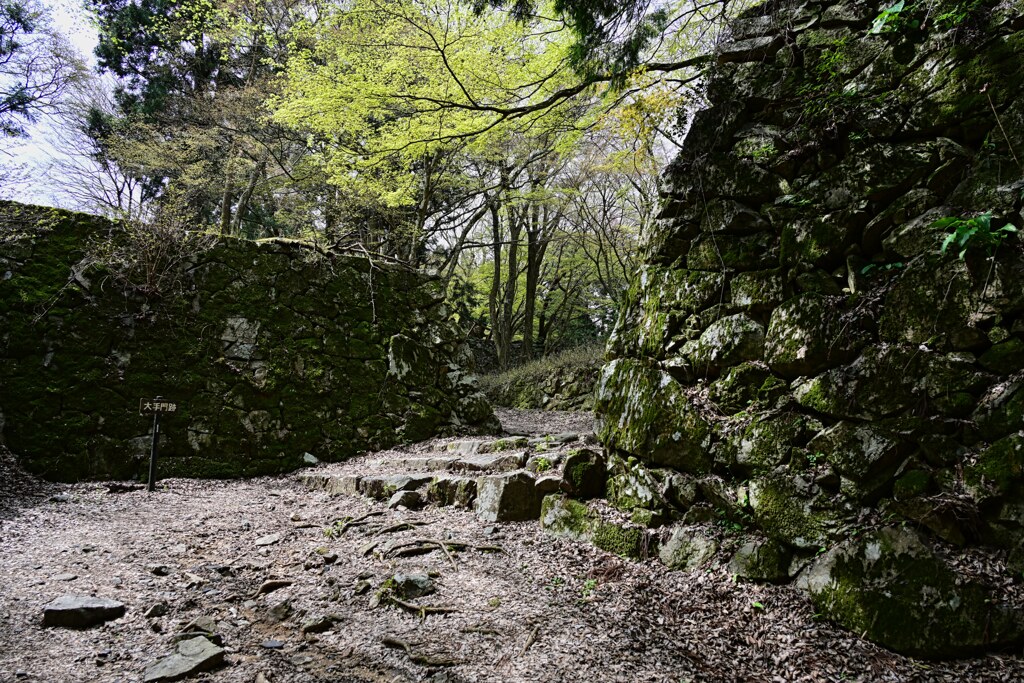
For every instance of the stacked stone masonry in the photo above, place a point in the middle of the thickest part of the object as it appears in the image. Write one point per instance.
(797, 353)
(277, 355)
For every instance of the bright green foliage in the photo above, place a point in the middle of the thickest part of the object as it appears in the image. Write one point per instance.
(976, 232)
(398, 88)
(887, 17)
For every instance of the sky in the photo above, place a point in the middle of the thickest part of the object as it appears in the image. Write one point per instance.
(36, 153)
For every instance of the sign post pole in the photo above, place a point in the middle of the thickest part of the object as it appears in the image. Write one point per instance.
(153, 450)
(156, 406)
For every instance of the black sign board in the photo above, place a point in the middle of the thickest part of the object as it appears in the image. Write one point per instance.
(153, 406)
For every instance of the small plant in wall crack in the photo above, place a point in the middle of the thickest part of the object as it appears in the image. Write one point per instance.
(977, 232)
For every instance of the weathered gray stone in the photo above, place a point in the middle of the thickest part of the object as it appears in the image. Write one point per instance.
(565, 517)
(865, 455)
(687, 548)
(320, 624)
(81, 611)
(645, 412)
(766, 442)
(890, 587)
(790, 510)
(568, 518)
(490, 462)
(808, 334)
(749, 50)
(632, 485)
(347, 485)
(999, 470)
(452, 490)
(413, 585)
(761, 561)
(732, 340)
(884, 381)
(546, 485)
(407, 499)
(276, 357)
(269, 539)
(507, 498)
(192, 656)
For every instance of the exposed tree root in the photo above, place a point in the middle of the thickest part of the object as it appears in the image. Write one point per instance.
(422, 610)
(419, 657)
(349, 523)
(270, 586)
(418, 546)
(402, 526)
(530, 640)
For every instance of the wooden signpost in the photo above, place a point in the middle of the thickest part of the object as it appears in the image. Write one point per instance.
(155, 407)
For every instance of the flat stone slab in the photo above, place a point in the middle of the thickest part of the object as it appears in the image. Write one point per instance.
(495, 462)
(193, 656)
(465, 447)
(81, 611)
(423, 463)
(335, 485)
(269, 539)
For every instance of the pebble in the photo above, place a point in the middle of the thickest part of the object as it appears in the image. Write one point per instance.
(319, 625)
(280, 611)
(64, 577)
(413, 584)
(157, 610)
(272, 644)
(269, 539)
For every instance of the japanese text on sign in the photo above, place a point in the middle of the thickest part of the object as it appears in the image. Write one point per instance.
(148, 406)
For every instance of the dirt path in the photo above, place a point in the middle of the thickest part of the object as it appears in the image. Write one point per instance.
(541, 609)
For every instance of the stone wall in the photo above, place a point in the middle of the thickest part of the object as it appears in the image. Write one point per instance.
(272, 351)
(799, 356)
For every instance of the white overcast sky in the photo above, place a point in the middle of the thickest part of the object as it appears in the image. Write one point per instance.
(70, 19)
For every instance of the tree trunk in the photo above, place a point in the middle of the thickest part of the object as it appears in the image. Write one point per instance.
(501, 342)
(243, 202)
(225, 208)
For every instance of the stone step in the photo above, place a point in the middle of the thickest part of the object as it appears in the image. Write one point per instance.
(336, 485)
(447, 489)
(499, 461)
(474, 446)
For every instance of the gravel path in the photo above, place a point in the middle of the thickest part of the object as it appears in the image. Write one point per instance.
(542, 609)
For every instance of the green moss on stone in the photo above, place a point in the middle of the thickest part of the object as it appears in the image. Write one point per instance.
(623, 541)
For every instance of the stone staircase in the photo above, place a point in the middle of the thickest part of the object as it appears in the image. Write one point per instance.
(504, 479)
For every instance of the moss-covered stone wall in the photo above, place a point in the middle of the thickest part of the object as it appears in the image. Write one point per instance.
(796, 343)
(272, 351)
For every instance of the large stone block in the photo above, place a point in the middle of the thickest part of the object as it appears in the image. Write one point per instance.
(509, 497)
(810, 333)
(888, 586)
(644, 411)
